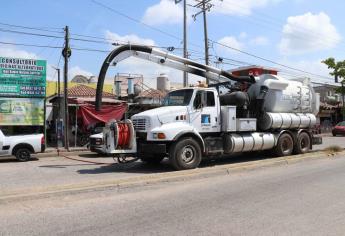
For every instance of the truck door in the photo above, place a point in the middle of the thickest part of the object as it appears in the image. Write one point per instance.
(205, 112)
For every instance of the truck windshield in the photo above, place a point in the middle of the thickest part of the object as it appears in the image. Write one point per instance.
(178, 98)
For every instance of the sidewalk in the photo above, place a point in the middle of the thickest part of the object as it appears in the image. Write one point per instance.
(53, 152)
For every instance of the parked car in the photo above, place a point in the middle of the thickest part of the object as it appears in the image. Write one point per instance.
(339, 129)
(21, 146)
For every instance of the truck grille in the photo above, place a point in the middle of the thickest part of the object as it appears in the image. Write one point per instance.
(140, 123)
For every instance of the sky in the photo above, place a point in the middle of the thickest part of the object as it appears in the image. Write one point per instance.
(296, 34)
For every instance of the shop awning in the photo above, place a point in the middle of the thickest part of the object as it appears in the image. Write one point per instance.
(90, 116)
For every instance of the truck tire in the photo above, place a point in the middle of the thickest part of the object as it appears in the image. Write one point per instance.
(152, 159)
(185, 154)
(284, 146)
(303, 143)
(22, 154)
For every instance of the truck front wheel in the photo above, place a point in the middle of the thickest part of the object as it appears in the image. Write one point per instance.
(22, 154)
(185, 154)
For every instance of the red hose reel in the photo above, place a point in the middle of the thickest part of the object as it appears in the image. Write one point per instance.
(123, 133)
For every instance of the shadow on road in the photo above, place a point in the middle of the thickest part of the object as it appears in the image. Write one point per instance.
(10, 159)
(164, 166)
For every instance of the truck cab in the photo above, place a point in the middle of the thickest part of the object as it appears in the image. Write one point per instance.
(194, 110)
(187, 114)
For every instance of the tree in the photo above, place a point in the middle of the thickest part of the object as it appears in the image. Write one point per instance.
(338, 72)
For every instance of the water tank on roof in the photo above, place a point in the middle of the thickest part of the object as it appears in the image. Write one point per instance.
(163, 83)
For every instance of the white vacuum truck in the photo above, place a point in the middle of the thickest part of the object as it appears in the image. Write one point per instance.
(255, 114)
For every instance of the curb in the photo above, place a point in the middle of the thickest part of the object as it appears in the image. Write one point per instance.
(55, 153)
(36, 193)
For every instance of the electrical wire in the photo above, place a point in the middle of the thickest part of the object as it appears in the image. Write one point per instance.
(28, 33)
(133, 19)
(267, 60)
(30, 45)
(46, 29)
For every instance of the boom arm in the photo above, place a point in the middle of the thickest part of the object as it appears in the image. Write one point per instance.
(162, 58)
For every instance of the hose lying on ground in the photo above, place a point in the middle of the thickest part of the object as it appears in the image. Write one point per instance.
(120, 160)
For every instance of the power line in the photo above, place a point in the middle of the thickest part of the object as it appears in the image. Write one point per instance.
(33, 28)
(104, 51)
(267, 60)
(30, 45)
(28, 33)
(135, 20)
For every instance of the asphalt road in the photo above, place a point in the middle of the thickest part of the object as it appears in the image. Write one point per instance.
(51, 171)
(304, 198)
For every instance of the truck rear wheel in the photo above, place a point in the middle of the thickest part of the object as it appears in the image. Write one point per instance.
(284, 146)
(303, 143)
(22, 154)
(185, 154)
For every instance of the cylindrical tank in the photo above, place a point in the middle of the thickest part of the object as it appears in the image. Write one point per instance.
(163, 83)
(270, 120)
(118, 88)
(137, 89)
(130, 90)
(285, 96)
(246, 142)
(234, 99)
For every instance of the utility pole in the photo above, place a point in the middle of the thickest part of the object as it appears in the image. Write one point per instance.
(66, 52)
(204, 5)
(185, 52)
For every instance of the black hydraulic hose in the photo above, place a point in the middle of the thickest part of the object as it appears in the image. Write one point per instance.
(105, 66)
(113, 54)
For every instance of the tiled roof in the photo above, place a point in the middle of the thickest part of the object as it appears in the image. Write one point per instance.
(86, 91)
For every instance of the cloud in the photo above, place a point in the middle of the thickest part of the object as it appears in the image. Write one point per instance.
(259, 41)
(243, 35)
(11, 51)
(312, 66)
(308, 33)
(130, 38)
(76, 70)
(230, 41)
(165, 12)
(239, 8)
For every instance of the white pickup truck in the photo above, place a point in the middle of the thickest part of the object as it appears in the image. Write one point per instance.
(21, 146)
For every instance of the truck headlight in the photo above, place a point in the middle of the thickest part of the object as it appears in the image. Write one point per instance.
(99, 141)
(158, 136)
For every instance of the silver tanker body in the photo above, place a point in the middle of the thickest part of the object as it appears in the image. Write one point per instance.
(288, 104)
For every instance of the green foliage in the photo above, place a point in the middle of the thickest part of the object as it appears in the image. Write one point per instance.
(340, 90)
(338, 72)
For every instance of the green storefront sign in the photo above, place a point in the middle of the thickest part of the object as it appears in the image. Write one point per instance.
(22, 77)
(21, 111)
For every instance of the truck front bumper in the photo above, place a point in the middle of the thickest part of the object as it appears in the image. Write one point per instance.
(152, 148)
